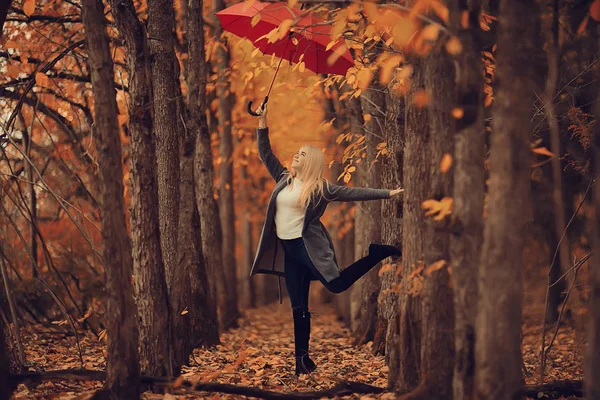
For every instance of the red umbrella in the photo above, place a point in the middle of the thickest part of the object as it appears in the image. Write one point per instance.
(308, 39)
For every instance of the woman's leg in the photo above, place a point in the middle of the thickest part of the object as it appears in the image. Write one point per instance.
(297, 281)
(377, 252)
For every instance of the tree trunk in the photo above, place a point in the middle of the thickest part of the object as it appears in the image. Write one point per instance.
(592, 361)
(498, 323)
(467, 213)
(373, 103)
(164, 100)
(404, 373)
(122, 371)
(5, 388)
(230, 313)
(248, 283)
(203, 174)
(391, 219)
(204, 317)
(148, 267)
(437, 323)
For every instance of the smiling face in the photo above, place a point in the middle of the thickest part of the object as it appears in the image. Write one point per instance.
(299, 160)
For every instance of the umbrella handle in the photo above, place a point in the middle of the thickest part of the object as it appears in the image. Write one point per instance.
(249, 108)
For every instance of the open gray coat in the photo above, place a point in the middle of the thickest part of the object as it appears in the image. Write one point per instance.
(269, 255)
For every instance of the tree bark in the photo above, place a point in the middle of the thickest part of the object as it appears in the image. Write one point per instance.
(467, 213)
(405, 371)
(6, 388)
(373, 103)
(122, 380)
(230, 313)
(498, 324)
(391, 223)
(203, 175)
(248, 283)
(592, 359)
(148, 268)
(204, 317)
(437, 323)
(164, 100)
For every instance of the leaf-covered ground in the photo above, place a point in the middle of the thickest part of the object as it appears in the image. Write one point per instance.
(260, 354)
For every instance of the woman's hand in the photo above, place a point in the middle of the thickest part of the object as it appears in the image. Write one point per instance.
(396, 192)
(262, 118)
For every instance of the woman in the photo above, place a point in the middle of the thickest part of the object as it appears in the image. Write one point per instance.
(293, 222)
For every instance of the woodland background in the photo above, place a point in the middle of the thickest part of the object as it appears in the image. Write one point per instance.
(132, 198)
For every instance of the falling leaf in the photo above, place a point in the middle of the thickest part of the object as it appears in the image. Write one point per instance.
(351, 169)
(178, 382)
(337, 53)
(453, 46)
(404, 30)
(292, 3)
(595, 10)
(446, 163)
(330, 44)
(458, 112)
(255, 20)
(436, 266)
(367, 117)
(431, 32)
(102, 334)
(185, 311)
(420, 98)
(301, 66)
(440, 9)
(438, 209)
(295, 41)
(338, 27)
(387, 67)
(284, 27)
(583, 25)
(543, 151)
(29, 7)
(464, 19)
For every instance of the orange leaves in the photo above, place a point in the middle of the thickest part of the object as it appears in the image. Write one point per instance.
(284, 27)
(438, 209)
(42, 79)
(595, 10)
(420, 99)
(453, 46)
(457, 112)
(543, 151)
(436, 266)
(29, 7)
(387, 68)
(446, 163)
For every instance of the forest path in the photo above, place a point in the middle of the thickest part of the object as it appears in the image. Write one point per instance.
(260, 353)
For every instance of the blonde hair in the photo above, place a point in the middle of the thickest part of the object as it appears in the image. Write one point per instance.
(312, 175)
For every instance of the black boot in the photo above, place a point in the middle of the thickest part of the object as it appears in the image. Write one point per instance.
(382, 251)
(304, 364)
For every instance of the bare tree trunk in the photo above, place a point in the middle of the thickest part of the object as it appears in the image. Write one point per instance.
(373, 104)
(6, 389)
(437, 341)
(230, 313)
(467, 213)
(203, 174)
(164, 100)
(391, 222)
(122, 372)
(592, 360)
(205, 324)
(248, 283)
(404, 374)
(148, 267)
(498, 324)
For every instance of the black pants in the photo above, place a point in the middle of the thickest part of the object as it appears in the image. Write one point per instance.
(299, 270)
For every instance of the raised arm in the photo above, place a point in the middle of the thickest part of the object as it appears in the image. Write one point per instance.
(266, 154)
(344, 193)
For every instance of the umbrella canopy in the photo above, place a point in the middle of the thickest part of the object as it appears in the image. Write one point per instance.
(307, 41)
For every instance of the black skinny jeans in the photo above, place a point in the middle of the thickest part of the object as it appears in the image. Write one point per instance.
(299, 270)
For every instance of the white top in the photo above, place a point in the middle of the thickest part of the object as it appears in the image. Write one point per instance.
(289, 216)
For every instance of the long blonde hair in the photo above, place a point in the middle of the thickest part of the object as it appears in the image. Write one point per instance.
(312, 175)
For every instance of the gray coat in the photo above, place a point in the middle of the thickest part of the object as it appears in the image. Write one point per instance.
(269, 255)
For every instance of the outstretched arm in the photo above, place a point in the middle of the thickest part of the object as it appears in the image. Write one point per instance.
(264, 147)
(345, 193)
